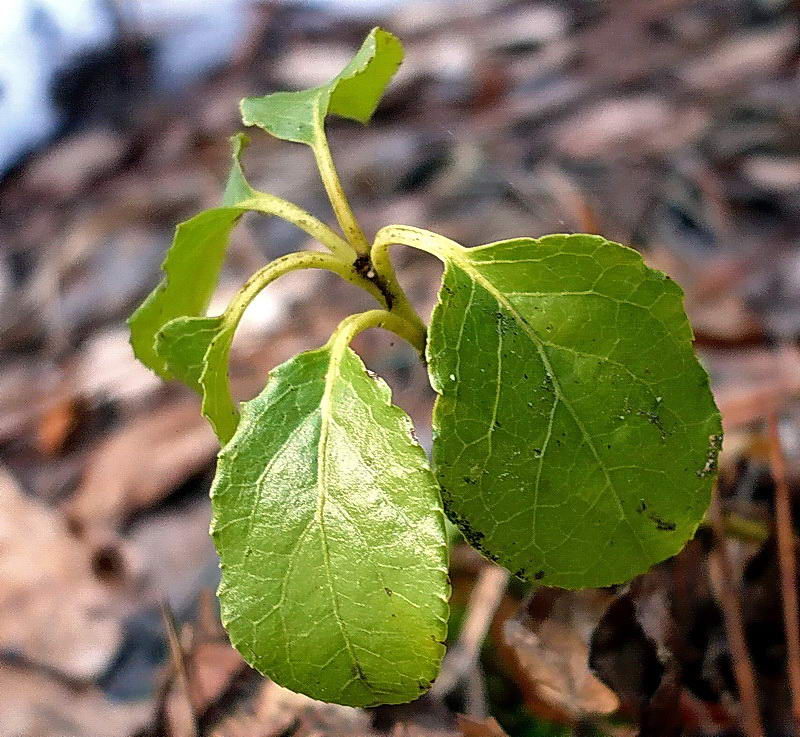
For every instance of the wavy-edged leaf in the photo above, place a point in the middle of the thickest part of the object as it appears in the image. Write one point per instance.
(192, 269)
(353, 94)
(575, 432)
(331, 537)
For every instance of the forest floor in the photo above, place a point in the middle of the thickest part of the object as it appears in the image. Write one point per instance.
(669, 125)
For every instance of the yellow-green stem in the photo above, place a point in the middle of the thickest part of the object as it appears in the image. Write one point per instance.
(407, 235)
(269, 204)
(220, 403)
(382, 265)
(293, 262)
(336, 195)
(354, 324)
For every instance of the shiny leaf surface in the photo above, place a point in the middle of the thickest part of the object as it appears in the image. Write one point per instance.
(331, 537)
(575, 433)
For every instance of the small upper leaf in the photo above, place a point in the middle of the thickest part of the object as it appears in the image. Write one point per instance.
(183, 342)
(353, 94)
(331, 537)
(575, 433)
(193, 264)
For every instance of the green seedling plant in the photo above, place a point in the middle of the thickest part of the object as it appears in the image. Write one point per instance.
(575, 435)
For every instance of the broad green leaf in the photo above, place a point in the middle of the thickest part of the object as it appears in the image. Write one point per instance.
(331, 537)
(353, 94)
(575, 433)
(194, 260)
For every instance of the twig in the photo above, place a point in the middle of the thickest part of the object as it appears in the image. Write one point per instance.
(722, 575)
(787, 561)
(476, 705)
(463, 656)
(180, 667)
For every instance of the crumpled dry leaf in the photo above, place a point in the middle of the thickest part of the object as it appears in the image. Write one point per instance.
(53, 611)
(550, 638)
(471, 727)
(278, 711)
(140, 464)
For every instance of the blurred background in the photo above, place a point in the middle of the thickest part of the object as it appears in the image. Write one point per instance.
(669, 125)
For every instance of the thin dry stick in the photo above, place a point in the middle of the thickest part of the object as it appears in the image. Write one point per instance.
(786, 561)
(722, 575)
(483, 603)
(180, 667)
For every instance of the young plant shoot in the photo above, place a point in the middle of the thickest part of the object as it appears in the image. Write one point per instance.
(575, 435)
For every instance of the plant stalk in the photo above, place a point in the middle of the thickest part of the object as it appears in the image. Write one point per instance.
(336, 194)
(354, 324)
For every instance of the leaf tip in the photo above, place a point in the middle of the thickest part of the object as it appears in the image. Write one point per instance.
(239, 142)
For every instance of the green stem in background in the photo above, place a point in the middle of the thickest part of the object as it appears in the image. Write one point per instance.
(354, 324)
(407, 235)
(336, 195)
(269, 204)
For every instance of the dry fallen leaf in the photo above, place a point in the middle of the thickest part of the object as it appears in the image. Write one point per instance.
(142, 463)
(471, 727)
(278, 711)
(53, 611)
(57, 424)
(550, 638)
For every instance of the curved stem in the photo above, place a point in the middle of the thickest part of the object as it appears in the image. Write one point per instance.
(406, 235)
(271, 205)
(293, 262)
(336, 195)
(354, 324)
(424, 240)
(218, 404)
(400, 304)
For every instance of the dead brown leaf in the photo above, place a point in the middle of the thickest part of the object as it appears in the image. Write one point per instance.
(278, 711)
(54, 611)
(550, 637)
(57, 424)
(141, 464)
(471, 727)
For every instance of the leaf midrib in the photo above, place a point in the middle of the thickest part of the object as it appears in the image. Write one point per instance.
(332, 373)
